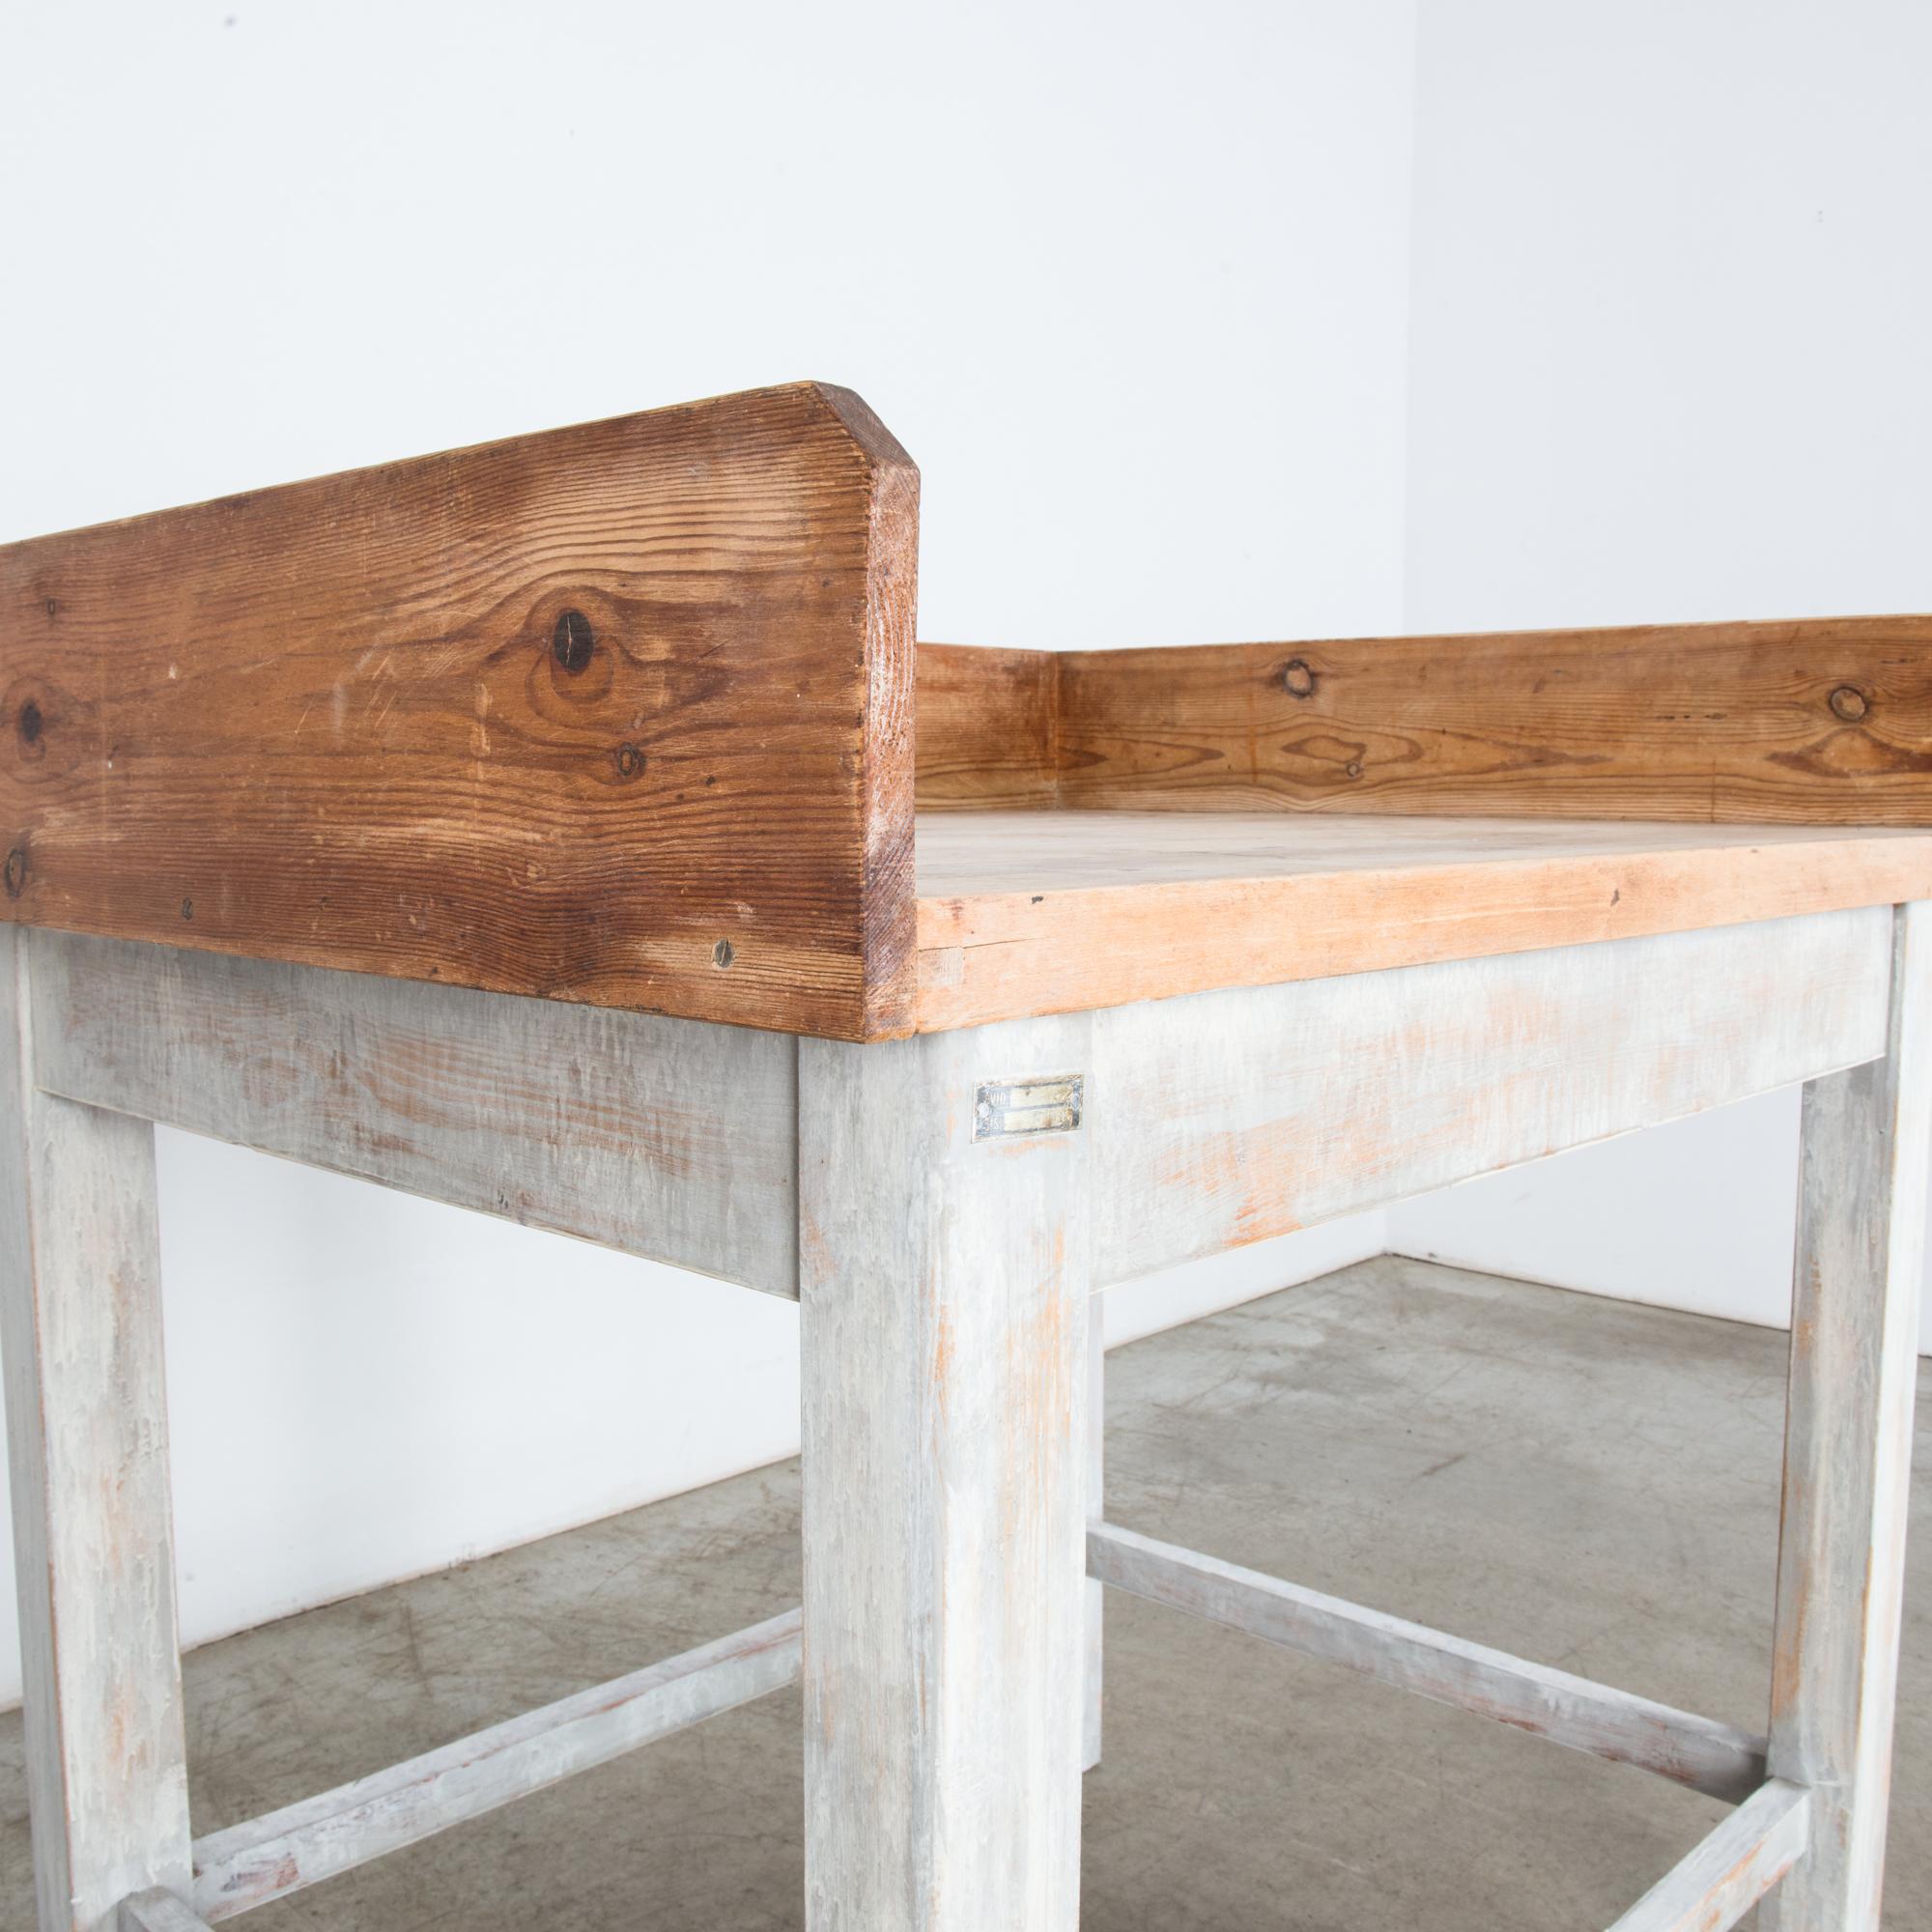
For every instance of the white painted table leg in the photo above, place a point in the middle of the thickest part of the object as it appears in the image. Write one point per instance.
(1867, 1148)
(80, 1321)
(945, 1289)
(1096, 1513)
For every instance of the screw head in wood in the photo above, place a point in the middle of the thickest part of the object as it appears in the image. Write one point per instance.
(723, 954)
(572, 642)
(1850, 703)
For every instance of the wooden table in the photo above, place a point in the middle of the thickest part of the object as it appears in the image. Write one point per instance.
(570, 829)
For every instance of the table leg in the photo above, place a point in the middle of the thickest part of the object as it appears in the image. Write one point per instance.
(944, 1285)
(1867, 1150)
(1096, 1496)
(80, 1321)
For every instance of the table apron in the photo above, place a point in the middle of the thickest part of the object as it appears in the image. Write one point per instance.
(1216, 1120)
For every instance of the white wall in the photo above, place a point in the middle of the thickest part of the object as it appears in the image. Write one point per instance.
(1130, 283)
(1672, 301)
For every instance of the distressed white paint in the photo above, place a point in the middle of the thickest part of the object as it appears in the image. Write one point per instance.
(267, 1858)
(1225, 1118)
(80, 1315)
(1710, 1756)
(1726, 1874)
(668, 1139)
(1096, 1497)
(945, 1298)
(1864, 1155)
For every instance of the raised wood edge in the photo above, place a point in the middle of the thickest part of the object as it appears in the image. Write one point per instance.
(334, 636)
(1809, 721)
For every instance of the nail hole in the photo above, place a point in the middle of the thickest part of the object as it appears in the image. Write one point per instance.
(722, 954)
(1849, 703)
(572, 641)
(16, 872)
(1297, 678)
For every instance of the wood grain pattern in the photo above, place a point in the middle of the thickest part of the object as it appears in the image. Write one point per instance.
(1727, 1873)
(619, 714)
(1059, 911)
(1236, 1116)
(87, 1437)
(664, 1138)
(1825, 721)
(269, 1858)
(1715, 1758)
(1865, 1151)
(988, 727)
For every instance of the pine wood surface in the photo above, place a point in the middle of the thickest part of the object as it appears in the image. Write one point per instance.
(618, 713)
(1048, 912)
(1818, 720)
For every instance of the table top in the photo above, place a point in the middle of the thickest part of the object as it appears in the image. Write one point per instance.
(632, 714)
(1034, 912)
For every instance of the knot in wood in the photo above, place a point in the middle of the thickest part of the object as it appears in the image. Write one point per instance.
(1850, 703)
(1297, 678)
(572, 642)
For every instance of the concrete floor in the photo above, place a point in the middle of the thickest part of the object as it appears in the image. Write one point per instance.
(1581, 1480)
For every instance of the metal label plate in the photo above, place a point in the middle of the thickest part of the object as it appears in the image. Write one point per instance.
(1005, 1110)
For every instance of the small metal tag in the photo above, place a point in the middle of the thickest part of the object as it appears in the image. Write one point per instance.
(1007, 1109)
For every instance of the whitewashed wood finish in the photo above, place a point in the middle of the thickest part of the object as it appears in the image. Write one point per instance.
(1865, 1151)
(945, 1290)
(267, 1858)
(159, 1912)
(1225, 1118)
(671, 1139)
(1725, 1875)
(1097, 1501)
(80, 1321)
(1709, 1756)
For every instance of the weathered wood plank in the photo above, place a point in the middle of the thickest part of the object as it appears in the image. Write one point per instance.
(945, 1296)
(1096, 1510)
(267, 1858)
(1232, 1117)
(1865, 1152)
(159, 1912)
(1825, 721)
(80, 1329)
(1058, 912)
(1726, 1874)
(659, 1136)
(988, 728)
(582, 715)
(1709, 1756)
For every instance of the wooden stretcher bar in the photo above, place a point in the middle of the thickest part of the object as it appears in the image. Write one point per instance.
(1716, 1758)
(269, 1858)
